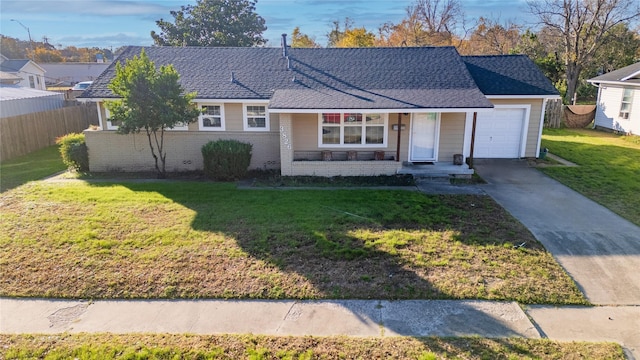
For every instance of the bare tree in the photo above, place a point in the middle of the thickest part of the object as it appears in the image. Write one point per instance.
(584, 27)
(440, 18)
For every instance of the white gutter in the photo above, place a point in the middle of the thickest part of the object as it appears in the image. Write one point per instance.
(404, 111)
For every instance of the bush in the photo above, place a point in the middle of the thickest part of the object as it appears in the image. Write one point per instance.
(74, 151)
(226, 159)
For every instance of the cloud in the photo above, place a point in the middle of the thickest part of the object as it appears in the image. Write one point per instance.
(104, 41)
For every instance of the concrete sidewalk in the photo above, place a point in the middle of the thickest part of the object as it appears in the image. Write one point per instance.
(318, 318)
(599, 249)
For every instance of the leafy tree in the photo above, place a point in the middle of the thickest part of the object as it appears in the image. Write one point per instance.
(358, 37)
(300, 40)
(337, 32)
(428, 22)
(212, 23)
(409, 32)
(350, 37)
(583, 27)
(47, 56)
(151, 100)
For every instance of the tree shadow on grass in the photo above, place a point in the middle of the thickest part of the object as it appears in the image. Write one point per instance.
(330, 244)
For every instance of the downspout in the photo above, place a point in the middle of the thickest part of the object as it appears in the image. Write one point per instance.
(473, 139)
(398, 142)
(544, 110)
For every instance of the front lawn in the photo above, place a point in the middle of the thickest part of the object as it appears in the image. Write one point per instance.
(180, 239)
(33, 166)
(608, 171)
(165, 346)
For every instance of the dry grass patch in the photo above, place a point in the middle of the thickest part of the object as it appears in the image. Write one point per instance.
(140, 346)
(206, 240)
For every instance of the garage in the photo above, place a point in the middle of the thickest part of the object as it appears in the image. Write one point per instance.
(500, 133)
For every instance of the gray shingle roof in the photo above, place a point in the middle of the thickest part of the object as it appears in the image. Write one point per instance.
(13, 65)
(632, 71)
(358, 78)
(508, 75)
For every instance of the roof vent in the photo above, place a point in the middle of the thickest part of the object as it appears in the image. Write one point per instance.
(284, 45)
(233, 79)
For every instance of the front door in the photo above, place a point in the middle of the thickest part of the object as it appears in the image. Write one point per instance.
(424, 140)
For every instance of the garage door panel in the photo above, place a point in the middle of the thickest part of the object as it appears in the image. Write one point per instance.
(499, 133)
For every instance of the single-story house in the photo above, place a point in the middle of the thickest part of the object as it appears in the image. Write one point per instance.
(337, 111)
(30, 73)
(618, 91)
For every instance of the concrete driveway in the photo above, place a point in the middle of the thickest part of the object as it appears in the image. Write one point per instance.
(599, 249)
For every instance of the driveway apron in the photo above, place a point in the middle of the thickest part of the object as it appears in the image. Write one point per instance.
(599, 249)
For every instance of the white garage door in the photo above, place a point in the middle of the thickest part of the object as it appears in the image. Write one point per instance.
(499, 133)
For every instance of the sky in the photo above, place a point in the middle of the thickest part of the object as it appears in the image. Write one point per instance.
(116, 23)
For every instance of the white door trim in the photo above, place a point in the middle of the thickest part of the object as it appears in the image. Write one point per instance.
(436, 140)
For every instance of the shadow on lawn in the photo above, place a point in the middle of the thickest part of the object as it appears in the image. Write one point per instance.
(331, 243)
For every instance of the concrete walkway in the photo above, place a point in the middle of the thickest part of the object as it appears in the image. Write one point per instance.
(318, 318)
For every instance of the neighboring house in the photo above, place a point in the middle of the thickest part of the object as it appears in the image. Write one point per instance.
(32, 74)
(69, 74)
(371, 111)
(16, 100)
(618, 105)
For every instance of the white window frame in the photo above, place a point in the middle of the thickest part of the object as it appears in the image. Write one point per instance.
(109, 125)
(385, 125)
(201, 118)
(245, 118)
(627, 113)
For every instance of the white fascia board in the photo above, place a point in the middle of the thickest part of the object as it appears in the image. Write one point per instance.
(523, 97)
(619, 83)
(631, 76)
(403, 111)
(231, 101)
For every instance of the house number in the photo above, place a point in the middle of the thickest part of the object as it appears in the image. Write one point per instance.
(285, 138)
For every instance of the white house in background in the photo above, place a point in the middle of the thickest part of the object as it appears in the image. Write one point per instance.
(32, 74)
(618, 106)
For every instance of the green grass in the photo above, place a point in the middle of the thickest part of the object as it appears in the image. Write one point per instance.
(188, 239)
(165, 346)
(608, 171)
(33, 166)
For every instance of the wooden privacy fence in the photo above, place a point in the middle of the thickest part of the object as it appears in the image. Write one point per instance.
(553, 114)
(20, 135)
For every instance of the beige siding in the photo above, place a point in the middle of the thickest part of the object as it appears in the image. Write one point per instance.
(533, 130)
(109, 151)
(451, 136)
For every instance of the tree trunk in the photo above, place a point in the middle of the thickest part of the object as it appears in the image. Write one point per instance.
(573, 75)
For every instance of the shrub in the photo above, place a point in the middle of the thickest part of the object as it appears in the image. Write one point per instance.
(226, 159)
(74, 151)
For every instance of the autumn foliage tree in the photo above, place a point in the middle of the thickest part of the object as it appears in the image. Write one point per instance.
(151, 101)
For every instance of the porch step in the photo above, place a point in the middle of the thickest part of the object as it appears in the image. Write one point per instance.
(436, 170)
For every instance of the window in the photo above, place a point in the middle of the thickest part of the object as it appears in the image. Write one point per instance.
(256, 118)
(32, 82)
(212, 118)
(110, 125)
(352, 129)
(625, 106)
